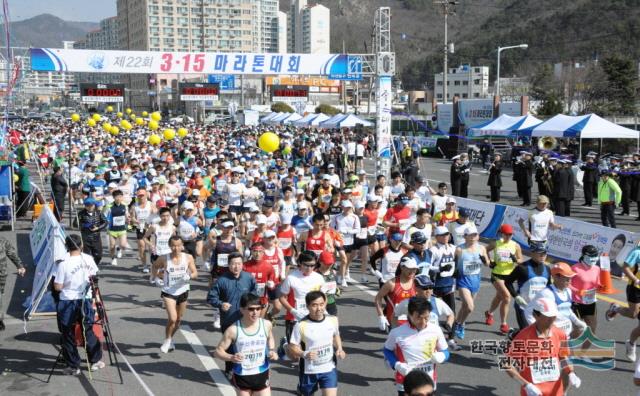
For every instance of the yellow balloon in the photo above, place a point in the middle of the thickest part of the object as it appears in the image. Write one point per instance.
(139, 121)
(144, 114)
(182, 132)
(169, 134)
(156, 116)
(109, 109)
(75, 117)
(269, 142)
(114, 130)
(132, 116)
(106, 126)
(154, 139)
(96, 117)
(16, 178)
(125, 125)
(286, 150)
(91, 122)
(128, 110)
(119, 114)
(153, 125)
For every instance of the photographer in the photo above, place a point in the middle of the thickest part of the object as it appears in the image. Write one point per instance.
(73, 281)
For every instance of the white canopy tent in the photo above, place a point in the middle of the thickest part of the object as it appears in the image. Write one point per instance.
(331, 120)
(278, 119)
(348, 121)
(269, 116)
(505, 125)
(311, 119)
(316, 121)
(292, 118)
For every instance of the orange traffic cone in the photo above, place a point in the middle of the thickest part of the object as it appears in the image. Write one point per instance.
(606, 286)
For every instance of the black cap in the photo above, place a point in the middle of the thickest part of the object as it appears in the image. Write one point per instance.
(418, 237)
(211, 199)
(590, 250)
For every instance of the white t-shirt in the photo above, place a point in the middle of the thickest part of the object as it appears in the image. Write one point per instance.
(73, 273)
(318, 337)
(457, 231)
(351, 148)
(539, 221)
(301, 285)
(439, 203)
(440, 311)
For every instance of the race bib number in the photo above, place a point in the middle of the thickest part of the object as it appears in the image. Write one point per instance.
(285, 243)
(260, 288)
(330, 287)
(223, 260)
(325, 355)
(534, 288)
(185, 230)
(362, 234)
(504, 255)
(425, 368)
(348, 239)
(326, 198)
(119, 221)
(208, 222)
(471, 267)
(162, 247)
(545, 370)
(589, 296)
(175, 279)
(404, 224)
(253, 358)
(301, 306)
(372, 230)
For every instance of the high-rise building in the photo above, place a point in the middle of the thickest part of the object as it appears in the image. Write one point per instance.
(192, 25)
(465, 82)
(103, 38)
(282, 32)
(308, 28)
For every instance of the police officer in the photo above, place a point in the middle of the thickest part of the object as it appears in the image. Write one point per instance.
(72, 281)
(590, 179)
(523, 174)
(7, 252)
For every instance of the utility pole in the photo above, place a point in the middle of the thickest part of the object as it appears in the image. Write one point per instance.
(448, 8)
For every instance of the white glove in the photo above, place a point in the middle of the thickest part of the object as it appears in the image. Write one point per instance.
(532, 390)
(521, 301)
(159, 282)
(297, 314)
(186, 277)
(270, 284)
(378, 274)
(438, 357)
(580, 324)
(574, 380)
(383, 323)
(402, 368)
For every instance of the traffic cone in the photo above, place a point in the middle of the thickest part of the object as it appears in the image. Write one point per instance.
(606, 286)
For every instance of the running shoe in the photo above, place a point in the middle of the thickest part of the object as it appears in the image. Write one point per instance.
(145, 269)
(98, 365)
(458, 331)
(344, 283)
(282, 355)
(166, 346)
(453, 345)
(611, 312)
(488, 318)
(114, 261)
(504, 328)
(216, 320)
(348, 278)
(630, 351)
(71, 371)
(118, 252)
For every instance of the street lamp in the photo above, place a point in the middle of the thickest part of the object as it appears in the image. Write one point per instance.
(500, 49)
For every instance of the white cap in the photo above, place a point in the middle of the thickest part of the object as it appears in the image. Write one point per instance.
(359, 204)
(227, 223)
(268, 234)
(362, 172)
(112, 185)
(441, 230)
(455, 158)
(545, 306)
(299, 191)
(347, 204)
(261, 219)
(331, 166)
(195, 192)
(451, 200)
(372, 198)
(237, 169)
(471, 230)
(285, 218)
(153, 172)
(408, 262)
(186, 205)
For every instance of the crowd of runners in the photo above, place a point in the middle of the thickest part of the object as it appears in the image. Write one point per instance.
(280, 235)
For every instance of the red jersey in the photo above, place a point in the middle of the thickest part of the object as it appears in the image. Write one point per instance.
(276, 261)
(285, 240)
(398, 215)
(256, 238)
(397, 295)
(261, 272)
(316, 244)
(544, 354)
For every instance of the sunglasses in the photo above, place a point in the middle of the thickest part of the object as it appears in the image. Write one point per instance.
(421, 394)
(308, 265)
(254, 309)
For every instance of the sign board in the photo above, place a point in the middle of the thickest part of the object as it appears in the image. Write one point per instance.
(444, 113)
(47, 247)
(384, 96)
(195, 92)
(103, 93)
(227, 82)
(153, 62)
(289, 93)
(311, 81)
(352, 70)
(472, 112)
(510, 108)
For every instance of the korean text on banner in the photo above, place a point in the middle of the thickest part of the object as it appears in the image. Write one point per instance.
(152, 62)
(486, 216)
(47, 247)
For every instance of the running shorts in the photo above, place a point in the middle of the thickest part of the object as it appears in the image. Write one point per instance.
(179, 298)
(582, 310)
(251, 383)
(309, 383)
(117, 234)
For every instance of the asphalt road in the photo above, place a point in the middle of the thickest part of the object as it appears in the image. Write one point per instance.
(137, 322)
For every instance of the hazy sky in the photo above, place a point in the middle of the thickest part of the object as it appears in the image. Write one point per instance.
(69, 10)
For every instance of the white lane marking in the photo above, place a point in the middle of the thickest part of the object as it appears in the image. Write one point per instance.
(134, 372)
(364, 288)
(207, 361)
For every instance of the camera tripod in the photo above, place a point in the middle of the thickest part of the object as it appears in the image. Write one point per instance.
(103, 322)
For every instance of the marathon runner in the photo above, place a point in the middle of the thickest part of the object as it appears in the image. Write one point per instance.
(394, 291)
(141, 212)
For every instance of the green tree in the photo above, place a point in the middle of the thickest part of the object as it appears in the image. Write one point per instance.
(546, 89)
(622, 84)
(281, 107)
(327, 109)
